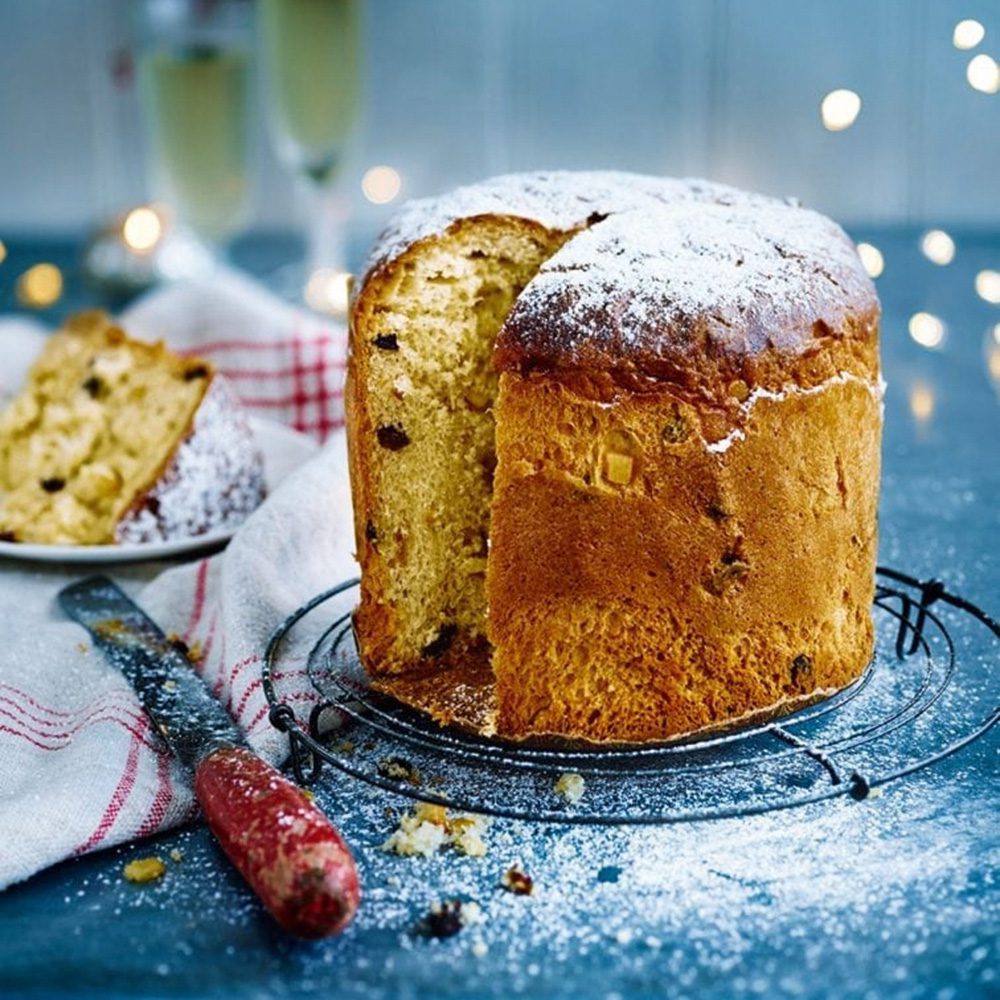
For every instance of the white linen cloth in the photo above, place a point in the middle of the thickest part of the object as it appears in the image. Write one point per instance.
(80, 765)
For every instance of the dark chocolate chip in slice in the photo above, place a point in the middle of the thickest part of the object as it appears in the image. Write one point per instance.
(53, 485)
(198, 371)
(386, 342)
(92, 386)
(7, 536)
(393, 437)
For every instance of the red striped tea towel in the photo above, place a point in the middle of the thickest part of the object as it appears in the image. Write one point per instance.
(80, 768)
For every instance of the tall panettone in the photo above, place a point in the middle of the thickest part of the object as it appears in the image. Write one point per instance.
(614, 447)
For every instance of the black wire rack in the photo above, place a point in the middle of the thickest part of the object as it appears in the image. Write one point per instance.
(931, 689)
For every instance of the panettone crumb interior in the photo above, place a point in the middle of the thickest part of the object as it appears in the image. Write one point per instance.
(432, 388)
(93, 426)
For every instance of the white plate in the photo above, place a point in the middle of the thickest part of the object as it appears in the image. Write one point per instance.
(283, 450)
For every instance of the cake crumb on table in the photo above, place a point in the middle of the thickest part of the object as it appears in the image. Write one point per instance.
(445, 919)
(431, 827)
(144, 870)
(176, 854)
(517, 881)
(571, 787)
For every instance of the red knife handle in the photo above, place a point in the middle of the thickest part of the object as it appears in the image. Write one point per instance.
(281, 843)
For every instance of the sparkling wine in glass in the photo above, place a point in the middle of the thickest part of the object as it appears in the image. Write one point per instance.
(312, 59)
(194, 77)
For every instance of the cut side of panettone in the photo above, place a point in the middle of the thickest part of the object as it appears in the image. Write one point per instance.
(423, 385)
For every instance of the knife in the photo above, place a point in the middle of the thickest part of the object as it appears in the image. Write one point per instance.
(283, 845)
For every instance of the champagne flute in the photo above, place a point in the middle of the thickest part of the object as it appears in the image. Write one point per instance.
(312, 58)
(194, 73)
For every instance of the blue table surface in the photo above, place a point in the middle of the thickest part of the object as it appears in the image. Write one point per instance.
(894, 896)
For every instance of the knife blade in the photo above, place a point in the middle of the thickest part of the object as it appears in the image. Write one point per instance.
(283, 844)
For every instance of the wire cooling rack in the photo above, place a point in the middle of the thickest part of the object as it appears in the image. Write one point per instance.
(931, 689)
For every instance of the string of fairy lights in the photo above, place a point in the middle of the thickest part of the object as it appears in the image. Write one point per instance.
(143, 230)
(839, 110)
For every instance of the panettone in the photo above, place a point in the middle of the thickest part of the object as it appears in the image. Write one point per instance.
(614, 447)
(116, 440)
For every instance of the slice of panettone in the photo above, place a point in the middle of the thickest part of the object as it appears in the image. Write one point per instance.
(113, 440)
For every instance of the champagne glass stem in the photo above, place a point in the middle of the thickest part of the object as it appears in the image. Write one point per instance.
(326, 213)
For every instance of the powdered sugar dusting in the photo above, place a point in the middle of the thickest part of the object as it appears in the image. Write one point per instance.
(656, 259)
(749, 274)
(215, 479)
(559, 199)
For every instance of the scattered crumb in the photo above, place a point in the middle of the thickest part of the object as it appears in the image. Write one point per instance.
(431, 812)
(467, 835)
(308, 793)
(400, 770)
(571, 787)
(445, 919)
(344, 746)
(194, 652)
(480, 948)
(430, 827)
(517, 881)
(176, 854)
(415, 838)
(144, 870)
(170, 685)
(83, 647)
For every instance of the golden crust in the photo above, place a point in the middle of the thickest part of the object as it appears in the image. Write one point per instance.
(707, 586)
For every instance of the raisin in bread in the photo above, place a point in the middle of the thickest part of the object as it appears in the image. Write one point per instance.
(614, 447)
(116, 440)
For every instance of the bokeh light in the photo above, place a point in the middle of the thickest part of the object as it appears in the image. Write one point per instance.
(142, 229)
(381, 185)
(926, 329)
(839, 109)
(329, 291)
(983, 74)
(938, 247)
(991, 350)
(988, 286)
(871, 259)
(921, 402)
(967, 34)
(40, 286)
